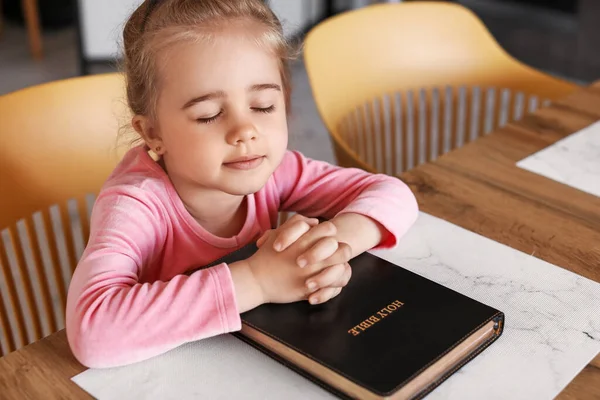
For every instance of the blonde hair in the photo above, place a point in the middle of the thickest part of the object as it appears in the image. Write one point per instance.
(155, 25)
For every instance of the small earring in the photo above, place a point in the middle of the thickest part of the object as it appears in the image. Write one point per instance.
(158, 149)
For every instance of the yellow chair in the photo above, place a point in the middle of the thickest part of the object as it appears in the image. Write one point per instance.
(58, 144)
(398, 85)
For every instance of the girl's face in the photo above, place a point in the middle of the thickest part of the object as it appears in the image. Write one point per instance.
(221, 118)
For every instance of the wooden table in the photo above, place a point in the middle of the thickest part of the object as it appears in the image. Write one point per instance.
(477, 187)
(480, 188)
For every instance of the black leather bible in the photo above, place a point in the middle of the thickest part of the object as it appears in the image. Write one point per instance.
(390, 334)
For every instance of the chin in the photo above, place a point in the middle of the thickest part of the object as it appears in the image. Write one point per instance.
(248, 182)
(244, 188)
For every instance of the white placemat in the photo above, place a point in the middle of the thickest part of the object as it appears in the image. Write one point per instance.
(552, 331)
(574, 160)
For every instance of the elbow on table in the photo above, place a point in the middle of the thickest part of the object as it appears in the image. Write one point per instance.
(409, 213)
(93, 343)
(412, 205)
(85, 346)
(407, 199)
(397, 210)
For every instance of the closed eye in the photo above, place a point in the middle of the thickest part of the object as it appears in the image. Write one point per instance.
(209, 120)
(265, 110)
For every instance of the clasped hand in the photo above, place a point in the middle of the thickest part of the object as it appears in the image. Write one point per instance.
(301, 260)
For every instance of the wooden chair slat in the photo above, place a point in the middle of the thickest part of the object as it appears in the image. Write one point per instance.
(76, 227)
(461, 115)
(409, 138)
(505, 99)
(519, 106)
(398, 134)
(386, 136)
(7, 343)
(434, 138)
(47, 265)
(533, 103)
(60, 240)
(397, 131)
(422, 129)
(448, 122)
(364, 132)
(374, 133)
(52, 268)
(18, 279)
(490, 101)
(10, 298)
(475, 113)
(37, 258)
(33, 270)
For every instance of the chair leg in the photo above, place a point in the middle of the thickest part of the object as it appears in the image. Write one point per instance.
(32, 21)
(1, 20)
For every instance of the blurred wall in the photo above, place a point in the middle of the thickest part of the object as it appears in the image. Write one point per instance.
(101, 22)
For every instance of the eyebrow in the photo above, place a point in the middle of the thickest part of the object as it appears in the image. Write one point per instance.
(265, 86)
(209, 96)
(220, 94)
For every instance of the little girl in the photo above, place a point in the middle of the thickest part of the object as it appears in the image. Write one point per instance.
(209, 88)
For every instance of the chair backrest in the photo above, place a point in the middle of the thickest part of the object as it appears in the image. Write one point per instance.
(431, 68)
(58, 144)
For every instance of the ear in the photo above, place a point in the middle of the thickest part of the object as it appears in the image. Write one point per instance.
(146, 129)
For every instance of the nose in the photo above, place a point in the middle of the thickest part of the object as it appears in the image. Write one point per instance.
(242, 133)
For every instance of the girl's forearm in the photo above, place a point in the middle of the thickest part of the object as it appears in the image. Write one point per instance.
(361, 233)
(248, 294)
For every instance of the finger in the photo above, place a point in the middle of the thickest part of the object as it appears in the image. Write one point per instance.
(342, 255)
(300, 217)
(326, 278)
(322, 250)
(337, 291)
(292, 230)
(323, 295)
(263, 238)
(322, 230)
(345, 278)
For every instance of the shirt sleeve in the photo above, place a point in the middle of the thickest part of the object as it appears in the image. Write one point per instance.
(112, 318)
(316, 188)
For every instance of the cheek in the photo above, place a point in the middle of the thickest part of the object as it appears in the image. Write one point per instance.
(206, 148)
(283, 130)
(275, 128)
(278, 125)
(197, 156)
(279, 138)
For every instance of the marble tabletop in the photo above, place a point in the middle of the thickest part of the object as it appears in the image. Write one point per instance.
(552, 331)
(574, 160)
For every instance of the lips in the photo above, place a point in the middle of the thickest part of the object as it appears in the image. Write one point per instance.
(245, 163)
(243, 159)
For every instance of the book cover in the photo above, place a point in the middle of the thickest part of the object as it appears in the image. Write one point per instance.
(390, 333)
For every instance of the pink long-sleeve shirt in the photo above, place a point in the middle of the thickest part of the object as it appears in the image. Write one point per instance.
(130, 299)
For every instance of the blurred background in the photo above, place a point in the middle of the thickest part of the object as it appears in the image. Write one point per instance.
(45, 40)
(82, 36)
